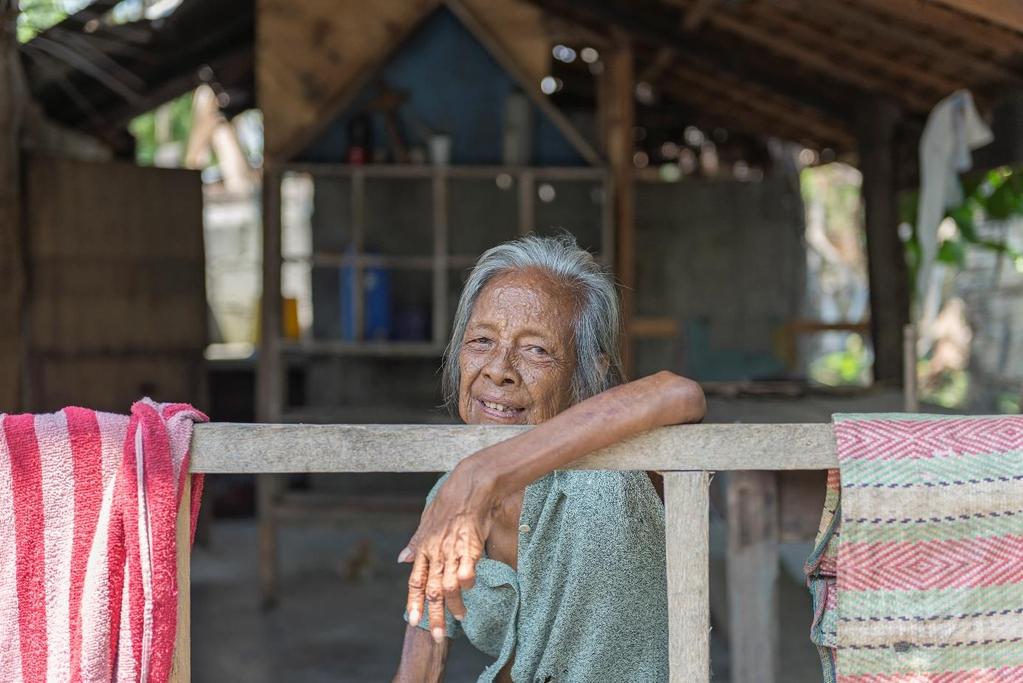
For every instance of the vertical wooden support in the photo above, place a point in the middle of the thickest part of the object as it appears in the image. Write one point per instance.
(527, 202)
(910, 389)
(752, 560)
(181, 667)
(440, 257)
(886, 262)
(686, 524)
(12, 265)
(618, 117)
(269, 391)
(358, 246)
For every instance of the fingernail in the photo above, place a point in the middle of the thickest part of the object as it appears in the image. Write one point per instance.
(405, 555)
(438, 635)
(413, 617)
(459, 617)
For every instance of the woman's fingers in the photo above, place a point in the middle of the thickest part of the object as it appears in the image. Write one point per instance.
(417, 581)
(435, 596)
(469, 553)
(454, 604)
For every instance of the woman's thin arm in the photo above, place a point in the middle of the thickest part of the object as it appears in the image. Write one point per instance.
(454, 528)
(422, 659)
(607, 418)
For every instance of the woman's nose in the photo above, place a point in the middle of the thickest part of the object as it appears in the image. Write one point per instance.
(500, 370)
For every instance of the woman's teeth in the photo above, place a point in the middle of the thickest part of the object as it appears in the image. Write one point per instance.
(498, 407)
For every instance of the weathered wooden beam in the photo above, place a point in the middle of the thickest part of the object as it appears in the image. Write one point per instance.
(1007, 13)
(686, 527)
(842, 16)
(281, 448)
(660, 28)
(269, 374)
(698, 13)
(12, 262)
(979, 37)
(813, 58)
(886, 261)
(752, 567)
(618, 116)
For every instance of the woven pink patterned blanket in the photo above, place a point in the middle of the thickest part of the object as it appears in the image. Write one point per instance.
(917, 574)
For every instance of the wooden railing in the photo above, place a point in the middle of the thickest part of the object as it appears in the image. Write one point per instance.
(686, 455)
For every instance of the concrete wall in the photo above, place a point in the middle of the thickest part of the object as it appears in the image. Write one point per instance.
(726, 260)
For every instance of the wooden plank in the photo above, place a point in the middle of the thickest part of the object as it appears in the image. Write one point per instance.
(686, 529)
(277, 448)
(1005, 13)
(181, 666)
(324, 169)
(314, 56)
(886, 261)
(752, 568)
(619, 120)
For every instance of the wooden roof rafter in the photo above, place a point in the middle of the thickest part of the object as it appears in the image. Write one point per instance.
(741, 119)
(853, 15)
(766, 104)
(1006, 13)
(654, 29)
(978, 37)
(773, 17)
(833, 66)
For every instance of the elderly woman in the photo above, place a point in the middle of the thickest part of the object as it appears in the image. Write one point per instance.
(557, 574)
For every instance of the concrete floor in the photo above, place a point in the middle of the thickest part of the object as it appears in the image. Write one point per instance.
(330, 626)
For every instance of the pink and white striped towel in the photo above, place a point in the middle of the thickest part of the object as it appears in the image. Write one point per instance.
(88, 580)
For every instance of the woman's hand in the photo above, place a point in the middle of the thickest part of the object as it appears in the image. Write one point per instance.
(448, 544)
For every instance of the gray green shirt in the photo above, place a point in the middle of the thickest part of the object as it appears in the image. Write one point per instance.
(589, 601)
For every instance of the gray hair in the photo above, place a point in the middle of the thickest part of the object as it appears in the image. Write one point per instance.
(597, 332)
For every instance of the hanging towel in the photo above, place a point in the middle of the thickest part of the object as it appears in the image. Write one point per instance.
(953, 130)
(917, 571)
(88, 578)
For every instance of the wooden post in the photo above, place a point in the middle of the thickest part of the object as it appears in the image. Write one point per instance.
(686, 525)
(12, 272)
(181, 667)
(752, 560)
(269, 394)
(910, 390)
(618, 117)
(886, 261)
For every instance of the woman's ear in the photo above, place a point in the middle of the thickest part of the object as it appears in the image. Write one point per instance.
(604, 364)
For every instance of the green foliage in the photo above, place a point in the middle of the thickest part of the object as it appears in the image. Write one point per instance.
(37, 16)
(1009, 404)
(949, 389)
(849, 367)
(171, 122)
(996, 195)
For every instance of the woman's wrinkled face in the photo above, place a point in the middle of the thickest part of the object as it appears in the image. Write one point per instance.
(517, 357)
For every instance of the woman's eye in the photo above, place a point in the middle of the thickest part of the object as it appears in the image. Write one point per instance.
(538, 350)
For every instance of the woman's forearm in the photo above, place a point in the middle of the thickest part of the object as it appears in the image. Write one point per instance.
(422, 660)
(655, 401)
